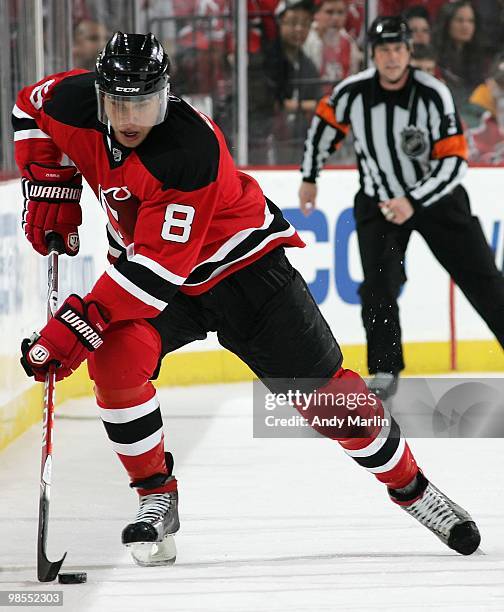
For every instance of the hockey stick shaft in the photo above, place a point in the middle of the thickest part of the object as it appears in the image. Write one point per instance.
(48, 570)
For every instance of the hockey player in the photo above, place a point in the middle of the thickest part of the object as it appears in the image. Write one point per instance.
(194, 246)
(412, 155)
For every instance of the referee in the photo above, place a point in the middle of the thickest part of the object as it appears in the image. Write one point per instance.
(411, 154)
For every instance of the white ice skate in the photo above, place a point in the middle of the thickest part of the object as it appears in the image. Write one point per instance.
(150, 537)
(452, 524)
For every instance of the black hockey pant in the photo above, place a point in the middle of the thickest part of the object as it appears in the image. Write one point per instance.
(265, 314)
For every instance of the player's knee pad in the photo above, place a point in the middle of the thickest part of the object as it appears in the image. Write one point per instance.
(128, 356)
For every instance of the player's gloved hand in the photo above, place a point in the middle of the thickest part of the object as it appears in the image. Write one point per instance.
(52, 194)
(75, 330)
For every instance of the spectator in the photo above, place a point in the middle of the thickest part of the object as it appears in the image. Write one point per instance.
(100, 11)
(201, 22)
(88, 40)
(262, 32)
(486, 142)
(355, 20)
(262, 104)
(201, 70)
(294, 78)
(460, 56)
(329, 45)
(491, 14)
(417, 18)
(262, 24)
(395, 7)
(163, 12)
(424, 57)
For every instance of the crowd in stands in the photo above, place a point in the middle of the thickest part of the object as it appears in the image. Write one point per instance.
(299, 49)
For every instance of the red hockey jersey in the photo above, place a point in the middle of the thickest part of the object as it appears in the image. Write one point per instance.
(180, 215)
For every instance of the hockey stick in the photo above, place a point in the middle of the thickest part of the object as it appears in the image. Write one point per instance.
(48, 570)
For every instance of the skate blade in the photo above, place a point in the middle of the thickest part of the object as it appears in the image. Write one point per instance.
(150, 554)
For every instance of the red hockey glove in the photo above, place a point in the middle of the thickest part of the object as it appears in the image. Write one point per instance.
(67, 339)
(52, 194)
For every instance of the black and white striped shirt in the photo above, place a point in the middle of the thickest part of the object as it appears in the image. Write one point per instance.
(408, 142)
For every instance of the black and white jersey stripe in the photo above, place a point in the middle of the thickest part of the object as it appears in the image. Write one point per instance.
(153, 284)
(242, 245)
(116, 244)
(382, 122)
(25, 126)
(145, 279)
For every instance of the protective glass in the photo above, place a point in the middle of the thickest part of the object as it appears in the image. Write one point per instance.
(145, 110)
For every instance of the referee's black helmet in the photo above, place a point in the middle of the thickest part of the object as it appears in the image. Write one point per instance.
(389, 29)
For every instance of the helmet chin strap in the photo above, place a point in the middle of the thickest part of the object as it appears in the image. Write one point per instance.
(110, 133)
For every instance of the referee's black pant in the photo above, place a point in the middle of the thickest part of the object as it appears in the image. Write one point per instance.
(457, 241)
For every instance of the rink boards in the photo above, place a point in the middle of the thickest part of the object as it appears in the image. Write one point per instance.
(330, 264)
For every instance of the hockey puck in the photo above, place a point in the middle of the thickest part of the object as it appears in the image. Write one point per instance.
(72, 578)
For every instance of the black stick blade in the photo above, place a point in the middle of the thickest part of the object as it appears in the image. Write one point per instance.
(48, 571)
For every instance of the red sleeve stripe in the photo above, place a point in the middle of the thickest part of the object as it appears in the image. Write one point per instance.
(134, 290)
(157, 268)
(26, 134)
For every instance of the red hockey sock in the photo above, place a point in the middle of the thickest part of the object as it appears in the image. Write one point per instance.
(132, 418)
(376, 444)
(121, 369)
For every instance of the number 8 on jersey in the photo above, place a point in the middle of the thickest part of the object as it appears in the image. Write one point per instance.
(177, 224)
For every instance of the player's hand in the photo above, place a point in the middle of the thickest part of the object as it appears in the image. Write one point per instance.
(66, 341)
(307, 197)
(397, 210)
(52, 194)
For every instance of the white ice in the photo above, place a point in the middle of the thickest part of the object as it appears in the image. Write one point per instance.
(284, 525)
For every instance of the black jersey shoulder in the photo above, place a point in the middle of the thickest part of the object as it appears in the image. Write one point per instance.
(73, 101)
(183, 152)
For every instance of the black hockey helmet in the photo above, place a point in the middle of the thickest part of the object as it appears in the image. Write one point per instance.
(133, 68)
(389, 29)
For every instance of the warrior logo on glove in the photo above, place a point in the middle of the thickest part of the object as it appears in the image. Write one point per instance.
(39, 354)
(52, 194)
(88, 336)
(66, 341)
(73, 242)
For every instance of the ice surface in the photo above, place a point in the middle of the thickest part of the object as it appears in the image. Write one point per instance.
(285, 525)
